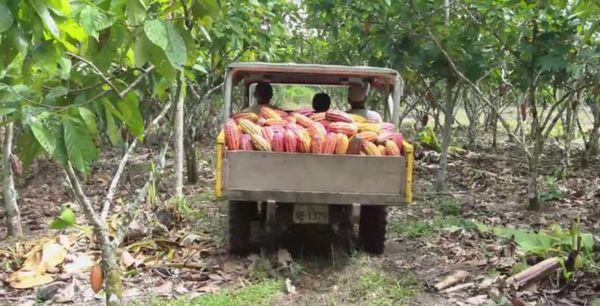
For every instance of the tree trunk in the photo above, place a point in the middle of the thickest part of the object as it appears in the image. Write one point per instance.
(191, 160)
(494, 126)
(11, 209)
(446, 133)
(569, 125)
(532, 187)
(592, 147)
(113, 286)
(179, 151)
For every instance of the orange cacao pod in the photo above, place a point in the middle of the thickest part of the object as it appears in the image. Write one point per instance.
(269, 113)
(270, 122)
(338, 116)
(232, 135)
(370, 127)
(248, 116)
(391, 148)
(341, 146)
(250, 128)
(368, 135)
(302, 120)
(346, 128)
(330, 143)
(16, 165)
(317, 129)
(260, 143)
(371, 149)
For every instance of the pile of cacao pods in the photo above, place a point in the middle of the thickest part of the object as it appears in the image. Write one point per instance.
(303, 131)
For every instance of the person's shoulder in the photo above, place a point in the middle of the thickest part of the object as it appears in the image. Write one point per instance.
(373, 115)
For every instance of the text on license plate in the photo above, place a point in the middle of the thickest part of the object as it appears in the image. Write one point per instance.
(307, 213)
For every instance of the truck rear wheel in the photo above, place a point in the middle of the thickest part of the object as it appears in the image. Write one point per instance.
(241, 214)
(373, 220)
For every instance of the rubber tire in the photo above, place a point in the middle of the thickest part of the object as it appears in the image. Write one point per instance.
(241, 215)
(371, 230)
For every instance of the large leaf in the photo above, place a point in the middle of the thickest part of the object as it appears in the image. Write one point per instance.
(93, 20)
(111, 126)
(27, 148)
(156, 31)
(41, 9)
(130, 112)
(6, 19)
(78, 141)
(147, 52)
(135, 12)
(51, 139)
(165, 36)
(89, 118)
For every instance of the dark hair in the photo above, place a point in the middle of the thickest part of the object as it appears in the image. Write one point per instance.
(321, 102)
(263, 91)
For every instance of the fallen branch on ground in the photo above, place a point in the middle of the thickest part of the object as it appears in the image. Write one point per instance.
(534, 272)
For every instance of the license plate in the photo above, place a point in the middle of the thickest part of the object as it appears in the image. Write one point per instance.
(307, 213)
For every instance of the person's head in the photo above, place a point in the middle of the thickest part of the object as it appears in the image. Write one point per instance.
(263, 93)
(357, 95)
(321, 102)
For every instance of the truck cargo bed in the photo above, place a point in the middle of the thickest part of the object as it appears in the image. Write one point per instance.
(314, 178)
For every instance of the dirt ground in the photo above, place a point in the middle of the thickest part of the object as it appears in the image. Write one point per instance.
(177, 255)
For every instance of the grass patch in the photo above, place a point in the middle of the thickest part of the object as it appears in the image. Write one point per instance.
(422, 228)
(364, 281)
(448, 206)
(261, 293)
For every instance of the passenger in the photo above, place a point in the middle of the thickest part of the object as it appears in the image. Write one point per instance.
(321, 102)
(357, 97)
(263, 94)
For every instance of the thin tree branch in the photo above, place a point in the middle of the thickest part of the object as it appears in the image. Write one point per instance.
(97, 71)
(115, 181)
(136, 81)
(132, 208)
(477, 89)
(83, 200)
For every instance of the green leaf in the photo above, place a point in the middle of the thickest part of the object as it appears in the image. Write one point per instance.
(135, 11)
(156, 31)
(42, 10)
(89, 118)
(146, 51)
(202, 8)
(6, 19)
(94, 20)
(111, 127)
(60, 7)
(176, 49)
(51, 139)
(66, 219)
(6, 111)
(80, 146)
(128, 107)
(165, 36)
(27, 148)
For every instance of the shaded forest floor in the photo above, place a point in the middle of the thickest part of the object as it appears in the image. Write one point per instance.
(176, 253)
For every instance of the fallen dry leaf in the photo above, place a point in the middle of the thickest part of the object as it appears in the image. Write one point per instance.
(166, 289)
(81, 263)
(28, 279)
(127, 259)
